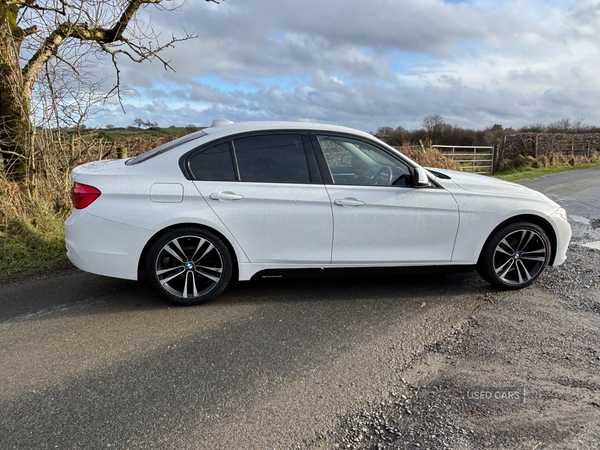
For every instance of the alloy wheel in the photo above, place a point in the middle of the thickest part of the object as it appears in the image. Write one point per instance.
(189, 267)
(520, 257)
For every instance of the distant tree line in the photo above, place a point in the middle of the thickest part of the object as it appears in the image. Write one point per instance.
(435, 131)
(148, 124)
(568, 126)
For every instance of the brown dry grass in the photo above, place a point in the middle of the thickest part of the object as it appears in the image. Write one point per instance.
(553, 159)
(32, 210)
(31, 225)
(428, 157)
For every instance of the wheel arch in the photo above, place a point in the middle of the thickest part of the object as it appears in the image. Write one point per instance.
(158, 234)
(531, 218)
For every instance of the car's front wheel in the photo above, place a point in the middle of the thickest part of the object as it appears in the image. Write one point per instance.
(515, 256)
(188, 266)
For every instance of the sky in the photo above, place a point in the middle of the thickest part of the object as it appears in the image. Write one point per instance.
(368, 64)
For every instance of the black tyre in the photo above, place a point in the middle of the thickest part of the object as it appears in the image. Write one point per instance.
(515, 256)
(188, 266)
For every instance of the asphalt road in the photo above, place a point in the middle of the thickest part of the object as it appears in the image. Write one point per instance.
(578, 191)
(93, 362)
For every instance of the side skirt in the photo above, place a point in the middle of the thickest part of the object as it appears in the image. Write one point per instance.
(354, 271)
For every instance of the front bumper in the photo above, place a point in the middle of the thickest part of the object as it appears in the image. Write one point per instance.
(563, 236)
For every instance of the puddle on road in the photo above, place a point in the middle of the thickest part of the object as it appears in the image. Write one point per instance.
(595, 245)
(579, 219)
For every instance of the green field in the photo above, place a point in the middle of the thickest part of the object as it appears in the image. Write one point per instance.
(530, 172)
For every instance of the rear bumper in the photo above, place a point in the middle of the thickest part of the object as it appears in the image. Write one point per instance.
(104, 247)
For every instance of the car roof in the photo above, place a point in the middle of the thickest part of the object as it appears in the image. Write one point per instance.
(243, 127)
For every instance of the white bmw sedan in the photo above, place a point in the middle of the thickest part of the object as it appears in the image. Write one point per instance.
(266, 199)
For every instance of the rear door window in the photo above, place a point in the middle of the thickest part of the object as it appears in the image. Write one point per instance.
(275, 158)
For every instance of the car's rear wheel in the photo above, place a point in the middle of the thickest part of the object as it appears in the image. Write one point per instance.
(188, 266)
(515, 256)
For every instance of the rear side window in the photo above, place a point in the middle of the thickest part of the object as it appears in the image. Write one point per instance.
(213, 164)
(165, 148)
(272, 158)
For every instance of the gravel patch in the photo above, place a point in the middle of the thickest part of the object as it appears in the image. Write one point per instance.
(577, 280)
(541, 344)
(417, 418)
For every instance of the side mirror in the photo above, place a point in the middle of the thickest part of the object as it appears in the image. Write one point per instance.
(347, 160)
(422, 180)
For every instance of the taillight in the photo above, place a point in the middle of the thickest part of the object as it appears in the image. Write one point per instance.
(82, 195)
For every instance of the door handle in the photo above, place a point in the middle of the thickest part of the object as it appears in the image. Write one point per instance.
(348, 201)
(225, 196)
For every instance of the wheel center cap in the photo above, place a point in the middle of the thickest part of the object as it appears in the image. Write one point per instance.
(189, 266)
(517, 256)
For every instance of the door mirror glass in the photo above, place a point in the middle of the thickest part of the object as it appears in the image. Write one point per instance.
(346, 160)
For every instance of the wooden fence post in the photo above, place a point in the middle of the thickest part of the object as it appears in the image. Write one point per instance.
(121, 153)
(588, 152)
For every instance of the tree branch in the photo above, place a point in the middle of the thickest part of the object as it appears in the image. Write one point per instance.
(33, 5)
(78, 31)
(111, 38)
(30, 30)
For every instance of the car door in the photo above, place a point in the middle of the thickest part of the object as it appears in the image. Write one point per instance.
(379, 216)
(267, 191)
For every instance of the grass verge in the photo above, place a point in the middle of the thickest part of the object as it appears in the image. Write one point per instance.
(31, 227)
(34, 245)
(530, 172)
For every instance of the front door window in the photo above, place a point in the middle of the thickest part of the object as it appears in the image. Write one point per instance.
(353, 162)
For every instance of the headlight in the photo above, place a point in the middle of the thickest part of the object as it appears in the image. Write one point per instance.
(562, 214)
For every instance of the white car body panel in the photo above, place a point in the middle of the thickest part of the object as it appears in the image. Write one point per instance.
(284, 226)
(126, 200)
(495, 202)
(393, 225)
(166, 193)
(275, 222)
(104, 247)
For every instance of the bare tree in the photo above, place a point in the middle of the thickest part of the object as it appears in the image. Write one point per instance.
(579, 124)
(383, 132)
(433, 124)
(34, 33)
(562, 125)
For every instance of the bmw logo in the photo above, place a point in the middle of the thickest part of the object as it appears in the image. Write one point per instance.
(189, 266)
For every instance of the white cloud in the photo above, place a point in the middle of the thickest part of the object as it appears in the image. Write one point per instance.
(385, 62)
